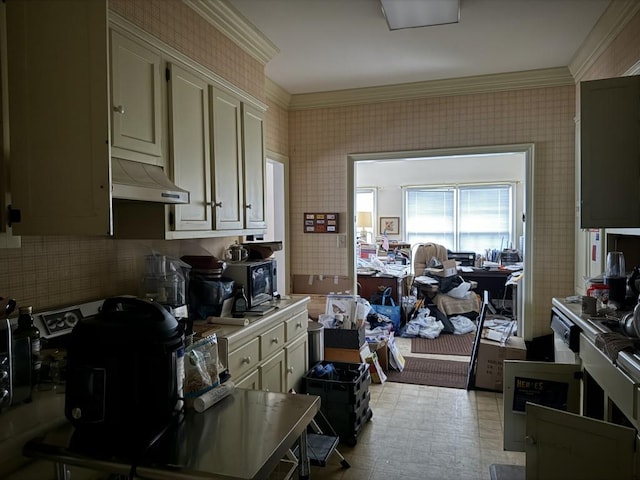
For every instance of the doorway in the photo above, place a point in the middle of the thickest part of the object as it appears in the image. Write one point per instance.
(276, 213)
(525, 151)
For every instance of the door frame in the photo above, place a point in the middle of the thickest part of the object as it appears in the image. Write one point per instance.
(528, 207)
(283, 270)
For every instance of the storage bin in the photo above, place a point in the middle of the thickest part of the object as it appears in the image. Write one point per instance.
(344, 397)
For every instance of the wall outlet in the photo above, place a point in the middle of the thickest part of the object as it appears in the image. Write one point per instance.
(341, 241)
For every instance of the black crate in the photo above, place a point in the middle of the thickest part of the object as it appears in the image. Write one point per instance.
(345, 388)
(347, 425)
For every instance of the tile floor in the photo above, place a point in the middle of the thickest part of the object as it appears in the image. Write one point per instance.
(424, 433)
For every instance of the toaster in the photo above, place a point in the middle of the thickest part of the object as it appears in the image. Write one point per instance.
(6, 375)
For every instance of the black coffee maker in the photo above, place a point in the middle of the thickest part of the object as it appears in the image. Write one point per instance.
(122, 380)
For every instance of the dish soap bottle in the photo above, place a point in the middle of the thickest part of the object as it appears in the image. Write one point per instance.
(240, 302)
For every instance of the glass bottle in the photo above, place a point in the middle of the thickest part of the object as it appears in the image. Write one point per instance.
(240, 302)
(26, 328)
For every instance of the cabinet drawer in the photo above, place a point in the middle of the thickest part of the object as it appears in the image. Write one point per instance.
(620, 389)
(297, 325)
(245, 358)
(272, 341)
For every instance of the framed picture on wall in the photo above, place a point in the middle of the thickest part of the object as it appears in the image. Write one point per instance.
(390, 225)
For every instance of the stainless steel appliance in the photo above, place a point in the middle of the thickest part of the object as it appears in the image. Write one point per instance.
(566, 337)
(259, 279)
(6, 375)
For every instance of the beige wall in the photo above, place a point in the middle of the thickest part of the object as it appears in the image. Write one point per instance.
(321, 139)
(53, 271)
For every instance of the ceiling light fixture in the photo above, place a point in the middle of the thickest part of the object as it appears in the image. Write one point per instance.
(402, 14)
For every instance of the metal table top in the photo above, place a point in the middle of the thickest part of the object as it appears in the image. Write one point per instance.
(244, 436)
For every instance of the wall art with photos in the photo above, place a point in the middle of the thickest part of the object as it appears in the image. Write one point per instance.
(320, 223)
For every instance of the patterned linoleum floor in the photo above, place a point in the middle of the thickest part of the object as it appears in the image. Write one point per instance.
(425, 433)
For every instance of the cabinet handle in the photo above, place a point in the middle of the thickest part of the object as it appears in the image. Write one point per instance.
(119, 109)
(217, 204)
(290, 369)
(274, 340)
(299, 325)
(246, 360)
(248, 206)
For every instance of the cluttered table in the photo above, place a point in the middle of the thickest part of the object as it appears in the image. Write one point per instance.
(244, 436)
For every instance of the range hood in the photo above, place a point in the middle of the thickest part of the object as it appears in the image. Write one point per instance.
(140, 181)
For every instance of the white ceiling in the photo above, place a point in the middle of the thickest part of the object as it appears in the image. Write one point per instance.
(327, 45)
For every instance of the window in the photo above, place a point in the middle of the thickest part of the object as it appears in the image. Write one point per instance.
(365, 214)
(466, 218)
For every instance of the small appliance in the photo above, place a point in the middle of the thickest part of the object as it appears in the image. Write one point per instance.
(122, 376)
(259, 279)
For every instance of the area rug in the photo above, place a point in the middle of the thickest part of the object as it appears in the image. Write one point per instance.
(429, 371)
(444, 344)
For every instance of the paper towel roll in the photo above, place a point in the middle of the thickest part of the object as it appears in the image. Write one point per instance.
(213, 396)
(243, 322)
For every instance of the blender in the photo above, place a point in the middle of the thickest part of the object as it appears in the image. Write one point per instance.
(615, 277)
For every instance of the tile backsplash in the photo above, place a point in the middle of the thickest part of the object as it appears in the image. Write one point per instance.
(48, 272)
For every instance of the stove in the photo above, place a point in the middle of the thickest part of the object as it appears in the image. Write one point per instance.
(56, 323)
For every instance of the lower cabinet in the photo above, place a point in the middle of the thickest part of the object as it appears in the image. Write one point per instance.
(270, 353)
(272, 373)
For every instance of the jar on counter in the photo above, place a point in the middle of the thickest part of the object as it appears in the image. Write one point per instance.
(601, 292)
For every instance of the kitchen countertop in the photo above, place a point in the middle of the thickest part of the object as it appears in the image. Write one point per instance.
(244, 436)
(256, 322)
(628, 362)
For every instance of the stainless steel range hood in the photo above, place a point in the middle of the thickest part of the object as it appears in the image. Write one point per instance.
(140, 181)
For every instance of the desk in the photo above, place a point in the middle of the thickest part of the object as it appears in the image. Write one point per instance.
(491, 280)
(244, 436)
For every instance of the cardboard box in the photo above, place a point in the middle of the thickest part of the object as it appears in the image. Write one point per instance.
(375, 370)
(491, 356)
(344, 337)
(449, 269)
(347, 355)
(381, 349)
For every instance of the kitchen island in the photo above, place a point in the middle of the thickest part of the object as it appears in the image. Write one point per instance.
(244, 436)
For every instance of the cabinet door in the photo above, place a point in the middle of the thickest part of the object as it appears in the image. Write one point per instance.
(297, 357)
(254, 167)
(135, 101)
(555, 384)
(565, 445)
(59, 117)
(250, 382)
(272, 374)
(609, 150)
(227, 162)
(189, 145)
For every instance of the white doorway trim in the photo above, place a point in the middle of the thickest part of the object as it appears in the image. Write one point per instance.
(526, 285)
(278, 192)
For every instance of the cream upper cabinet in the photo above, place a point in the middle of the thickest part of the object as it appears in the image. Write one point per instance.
(609, 150)
(189, 147)
(59, 117)
(136, 101)
(227, 161)
(254, 167)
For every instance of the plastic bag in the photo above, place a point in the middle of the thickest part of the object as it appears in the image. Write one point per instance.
(201, 367)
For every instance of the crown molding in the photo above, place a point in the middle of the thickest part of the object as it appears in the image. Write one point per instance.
(234, 25)
(608, 27)
(549, 77)
(277, 94)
